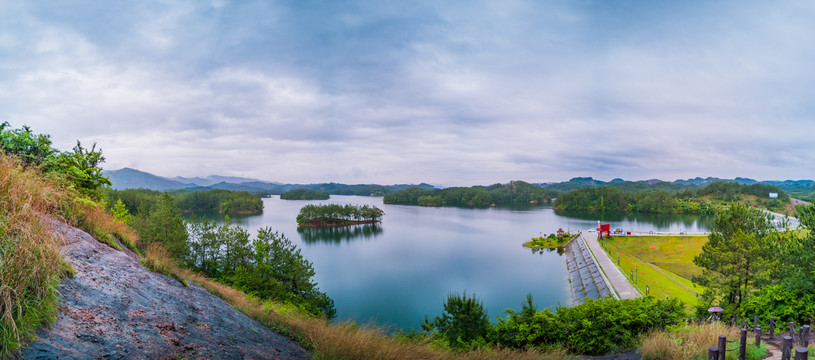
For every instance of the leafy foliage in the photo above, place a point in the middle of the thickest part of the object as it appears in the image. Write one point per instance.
(514, 192)
(269, 266)
(333, 214)
(80, 166)
(463, 323)
(594, 328)
(305, 194)
(222, 201)
(735, 258)
(652, 200)
(163, 224)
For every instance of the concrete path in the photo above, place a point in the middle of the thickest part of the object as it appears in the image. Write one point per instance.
(585, 278)
(613, 273)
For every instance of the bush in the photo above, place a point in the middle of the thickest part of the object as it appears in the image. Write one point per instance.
(594, 328)
(463, 323)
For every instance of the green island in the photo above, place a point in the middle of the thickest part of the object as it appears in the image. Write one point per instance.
(552, 241)
(305, 194)
(515, 192)
(338, 215)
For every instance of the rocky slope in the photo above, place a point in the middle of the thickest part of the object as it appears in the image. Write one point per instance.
(115, 308)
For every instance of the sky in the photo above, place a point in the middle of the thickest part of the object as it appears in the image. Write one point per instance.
(445, 92)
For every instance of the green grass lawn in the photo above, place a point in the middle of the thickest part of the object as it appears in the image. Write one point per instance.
(663, 263)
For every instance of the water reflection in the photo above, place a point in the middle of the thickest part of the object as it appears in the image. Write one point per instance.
(560, 250)
(241, 220)
(338, 234)
(639, 221)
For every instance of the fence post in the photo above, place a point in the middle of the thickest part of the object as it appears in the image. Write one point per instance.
(755, 321)
(758, 335)
(743, 344)
(792, 329)
(805, 336)
(746, 324)
(722, 346)
(772, 328)
(801, 353)
(786, 349)
(713, 353)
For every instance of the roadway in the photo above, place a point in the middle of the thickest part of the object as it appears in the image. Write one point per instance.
(613, 274)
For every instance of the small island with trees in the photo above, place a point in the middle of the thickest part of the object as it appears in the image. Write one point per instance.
(338, 215)
(552, 241)
(305, 194)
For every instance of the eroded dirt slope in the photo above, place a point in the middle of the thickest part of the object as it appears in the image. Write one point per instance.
(114, 308)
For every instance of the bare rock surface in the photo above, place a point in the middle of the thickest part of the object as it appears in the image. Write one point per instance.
(113, 308)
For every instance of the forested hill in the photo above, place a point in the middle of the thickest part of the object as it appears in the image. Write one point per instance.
(801, 189)
(692, 200)
(515, 192)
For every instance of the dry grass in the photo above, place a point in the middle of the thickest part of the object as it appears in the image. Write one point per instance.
(686, 342)
(30, 262)
(157, 259)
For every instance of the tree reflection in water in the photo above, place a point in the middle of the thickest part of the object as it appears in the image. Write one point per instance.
(560, 250)
(338, 234)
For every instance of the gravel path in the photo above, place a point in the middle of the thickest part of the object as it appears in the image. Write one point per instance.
(114, 308)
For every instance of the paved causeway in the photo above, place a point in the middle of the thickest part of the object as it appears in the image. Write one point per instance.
(585, 278)
(613, 273)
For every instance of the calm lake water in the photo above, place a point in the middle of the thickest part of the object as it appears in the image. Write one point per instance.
(396, 272)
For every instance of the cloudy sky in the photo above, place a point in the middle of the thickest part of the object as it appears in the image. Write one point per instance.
(445, 92)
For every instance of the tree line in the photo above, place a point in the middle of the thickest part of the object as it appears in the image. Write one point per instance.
(305, 194)
(700, 201)
(515, 192)
(221, 201)
(334, 215)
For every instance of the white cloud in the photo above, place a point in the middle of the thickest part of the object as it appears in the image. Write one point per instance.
(454, 94)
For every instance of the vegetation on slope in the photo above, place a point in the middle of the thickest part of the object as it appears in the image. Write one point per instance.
(700, 201)
(304, 194)
(515, 192)
(38, 181)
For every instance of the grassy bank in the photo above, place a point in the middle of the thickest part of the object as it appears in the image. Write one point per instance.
(663, 264)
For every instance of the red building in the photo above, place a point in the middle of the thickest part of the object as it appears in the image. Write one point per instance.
(603, 230)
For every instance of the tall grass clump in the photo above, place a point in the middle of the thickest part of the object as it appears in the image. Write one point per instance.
(30, 263)
(685, 342)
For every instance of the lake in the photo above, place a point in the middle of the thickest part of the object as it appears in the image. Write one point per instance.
(396, 272)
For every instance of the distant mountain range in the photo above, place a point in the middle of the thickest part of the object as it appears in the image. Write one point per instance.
(128, 178)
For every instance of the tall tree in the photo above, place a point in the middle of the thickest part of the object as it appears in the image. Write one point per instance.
(736, 257)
